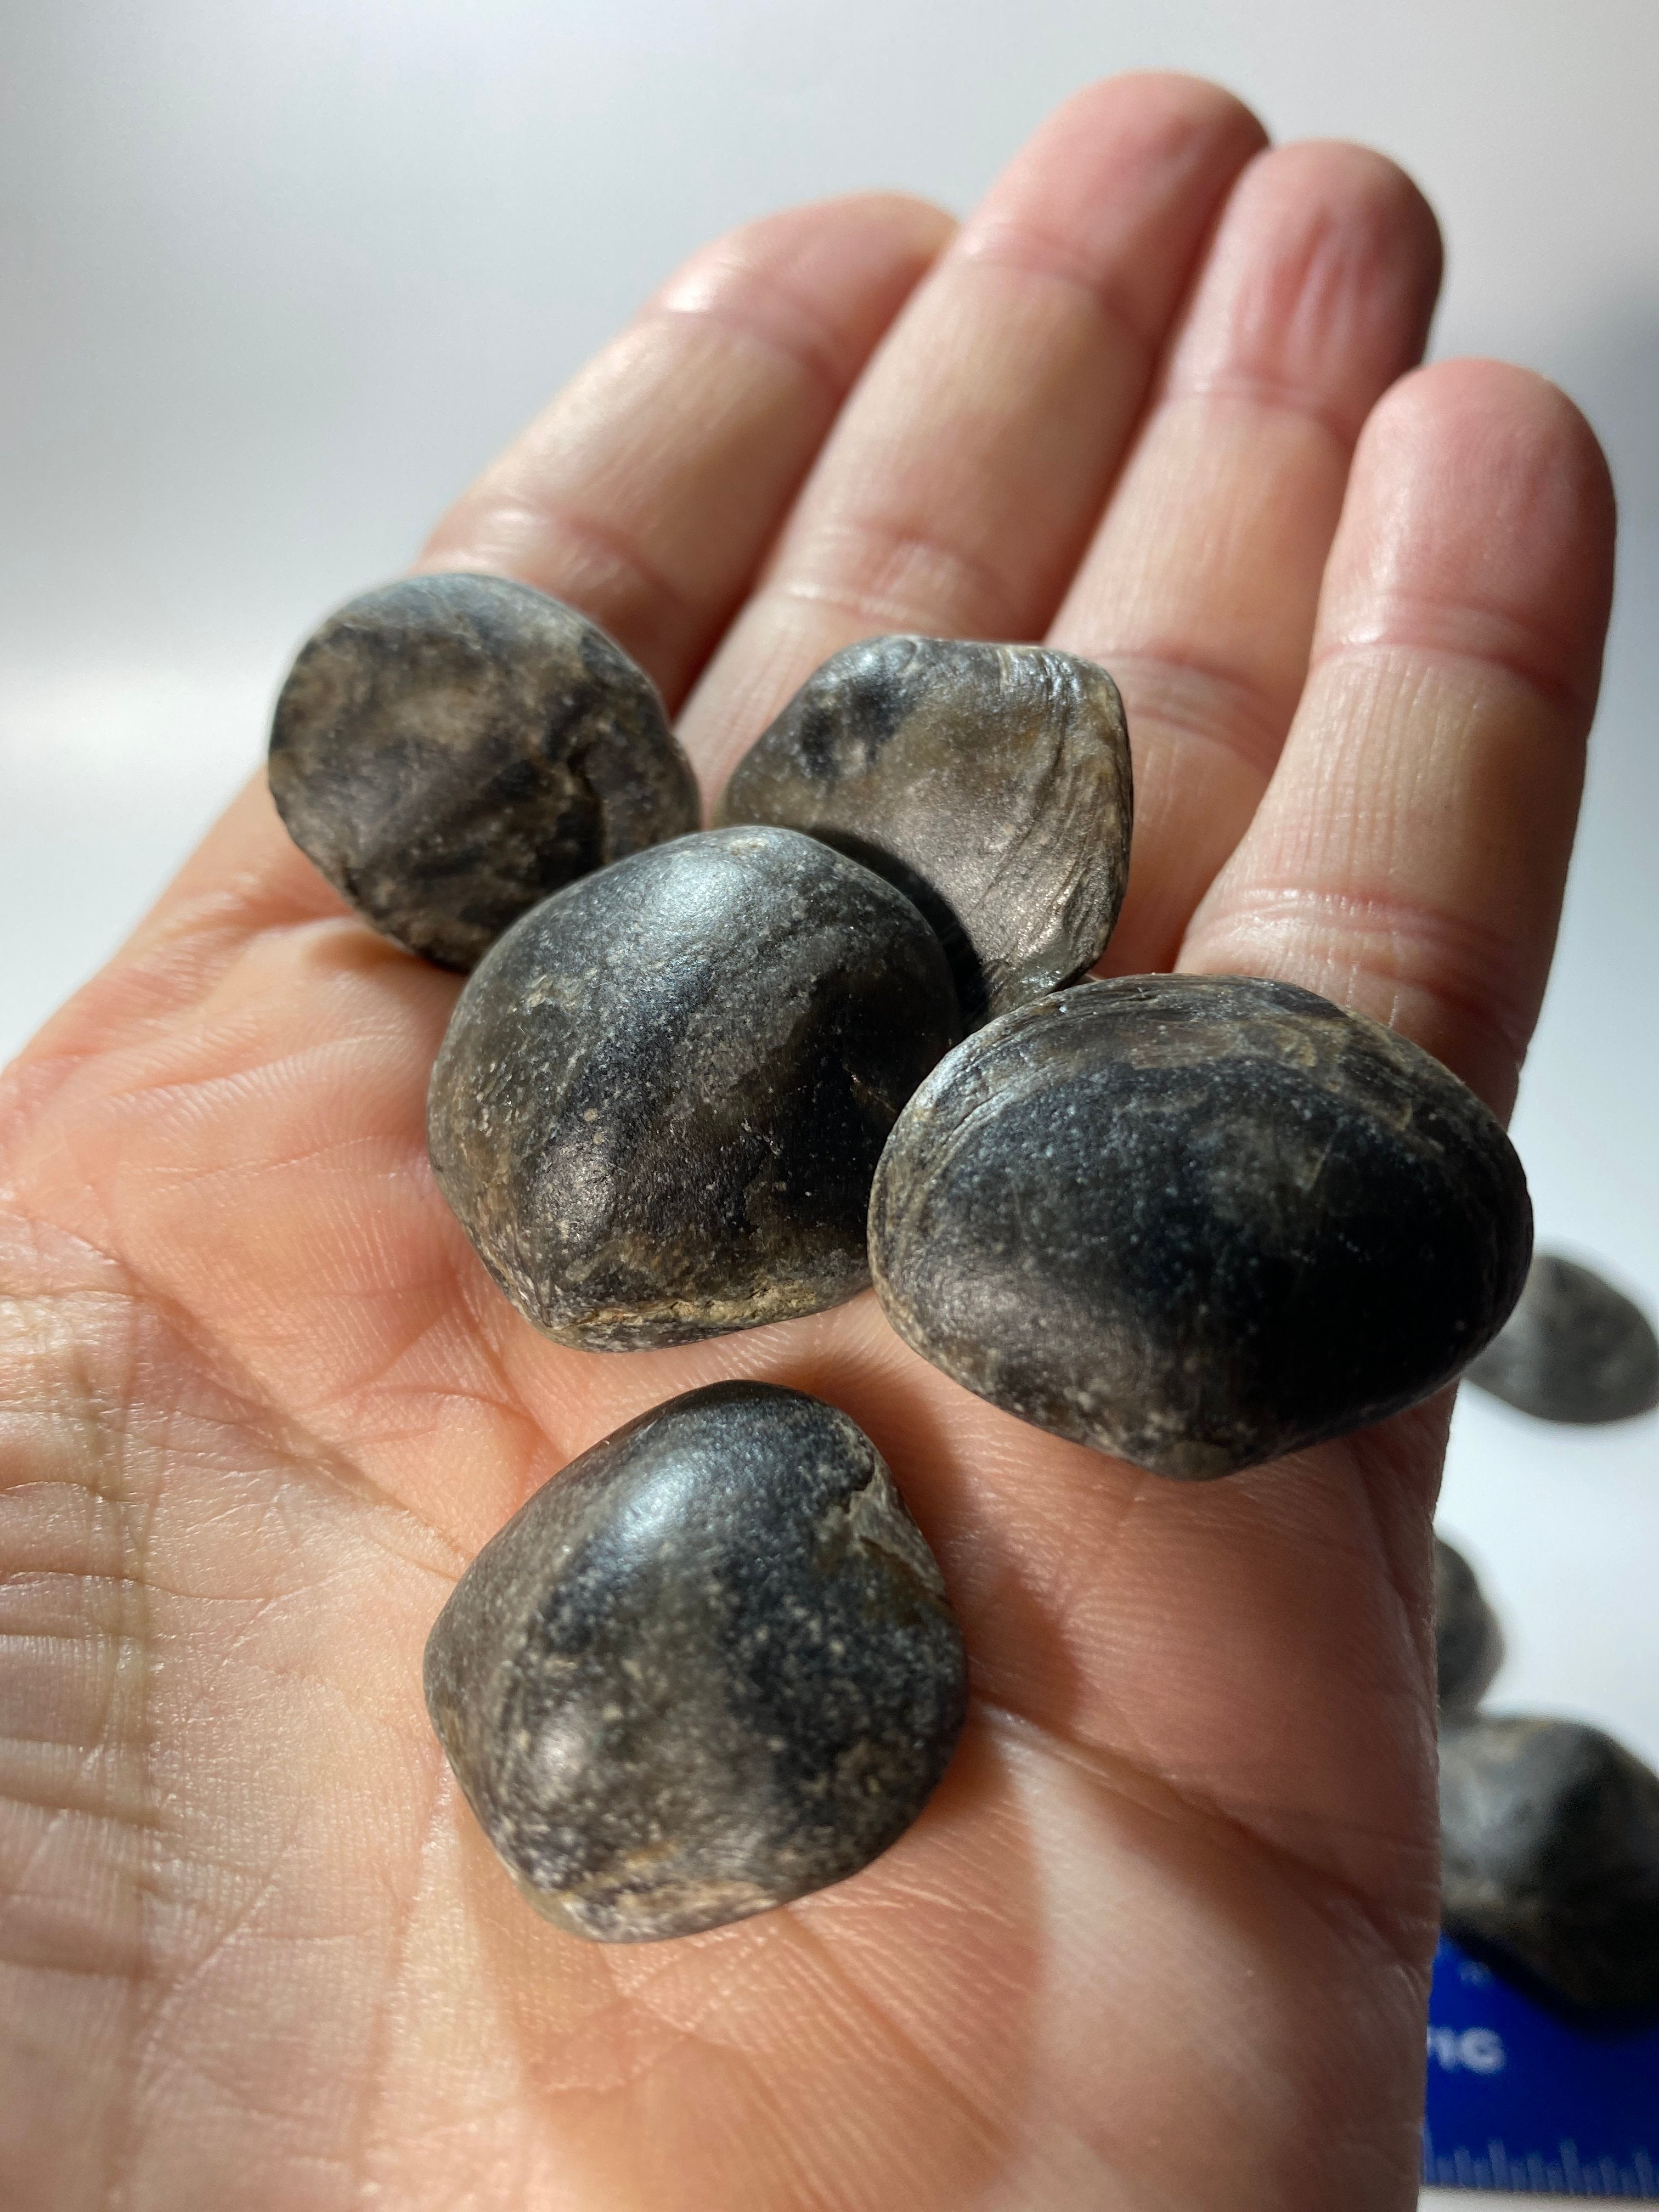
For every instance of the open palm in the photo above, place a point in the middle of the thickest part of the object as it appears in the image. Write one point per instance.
(1161, 1938)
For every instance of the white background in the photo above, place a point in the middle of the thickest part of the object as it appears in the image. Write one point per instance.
(276, 276)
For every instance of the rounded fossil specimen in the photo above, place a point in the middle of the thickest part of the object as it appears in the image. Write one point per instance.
(1550, 1851)
(452, 748)
(1574, 1349)
(990, 782)
(1196, 1221)
(709, 1668)
(663, 1093)
(1468, 1644)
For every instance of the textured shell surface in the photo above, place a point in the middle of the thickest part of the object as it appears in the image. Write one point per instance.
(991, 782)
(450, 749)
(661, 1097)
(1550, 1857)
(1195, 1221)
(709, 1668)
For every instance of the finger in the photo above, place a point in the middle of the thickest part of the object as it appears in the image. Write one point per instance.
(646, 493)
(1409, 856)
(966, 471)
(1200, 589)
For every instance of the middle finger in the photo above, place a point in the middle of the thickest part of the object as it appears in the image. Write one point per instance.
(957, 489)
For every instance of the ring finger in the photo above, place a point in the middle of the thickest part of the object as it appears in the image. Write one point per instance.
(1200, 588)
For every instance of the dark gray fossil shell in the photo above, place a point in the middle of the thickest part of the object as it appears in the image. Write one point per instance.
(1196, 1221)
(1468, 1644)
(990, 782)
(662, 1095)
(451, 748)
(1574, 1349)
(709, 1668)
(1550, 1849)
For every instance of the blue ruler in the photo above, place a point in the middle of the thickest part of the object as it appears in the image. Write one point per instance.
(1520, 2099)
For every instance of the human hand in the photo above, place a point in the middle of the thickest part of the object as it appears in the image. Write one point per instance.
(1161, 1938)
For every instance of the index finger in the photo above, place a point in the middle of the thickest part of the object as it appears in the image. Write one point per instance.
(646, 494)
